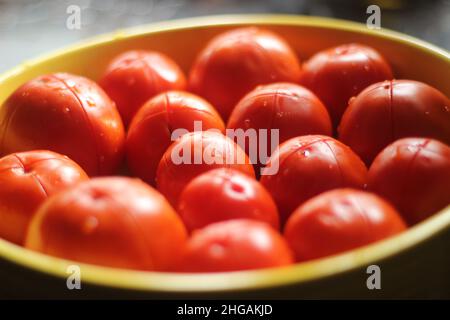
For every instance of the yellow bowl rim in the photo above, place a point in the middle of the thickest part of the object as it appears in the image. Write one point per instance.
(243, 280)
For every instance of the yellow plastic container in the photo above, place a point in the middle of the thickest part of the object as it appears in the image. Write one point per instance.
(413, 264)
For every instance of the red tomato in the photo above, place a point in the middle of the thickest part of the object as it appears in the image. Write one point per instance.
(235, 245)
(235, 62)
(414, 175)
(26, 180)
(337, 74)
(115, 222)
(387, 111)
(340, 220)
(193, 154)
(225, 194)
(67, 114)
(135, 76)
(310, 165)
(150, 132)
(290, 108)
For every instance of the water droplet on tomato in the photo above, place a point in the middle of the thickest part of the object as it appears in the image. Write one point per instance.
(89, 225)
(71, 83)
(237, 188)
(90, 102)
(217, 250)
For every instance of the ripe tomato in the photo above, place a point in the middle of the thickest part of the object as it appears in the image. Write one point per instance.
(387, 111)
(339, 73)
(287, 107)
(26, 180)
(414, 175)
(235, 245)
(235, 62)
(225, 194)
(340, 220)
(150, 132)
(307, 166)
(67, 114)
(114, 221)
(193, 154)
(135, 76)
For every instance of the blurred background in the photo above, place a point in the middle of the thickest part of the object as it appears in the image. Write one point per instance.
(29, 28)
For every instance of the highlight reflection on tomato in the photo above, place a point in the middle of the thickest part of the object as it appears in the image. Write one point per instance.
(339, 73)
(150, 132)
(414, 175)
(225, 194)
(236, 61)
(390, 110)
(135, 76)
(26, 180)
(340, 220)
(287, 107)
(309, 165)
(113, 221)
(235, 245)
(193, 154)
(67, 114)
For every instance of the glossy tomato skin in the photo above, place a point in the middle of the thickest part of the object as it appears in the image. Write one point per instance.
(193, 154)
(225, 194)
(309, 165)
(340, 220)
(339, 73)
(114, 221)
(414, 175)
(150, 132)
(235, 62)
(135, 76)
(67, 114)
(287, 107)
(26, 180)
(390, 110)
(235, 245)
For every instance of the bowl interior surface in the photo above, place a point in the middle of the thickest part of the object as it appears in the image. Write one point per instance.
(182, 40)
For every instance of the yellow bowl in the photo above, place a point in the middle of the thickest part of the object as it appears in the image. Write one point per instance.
(415, 263)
